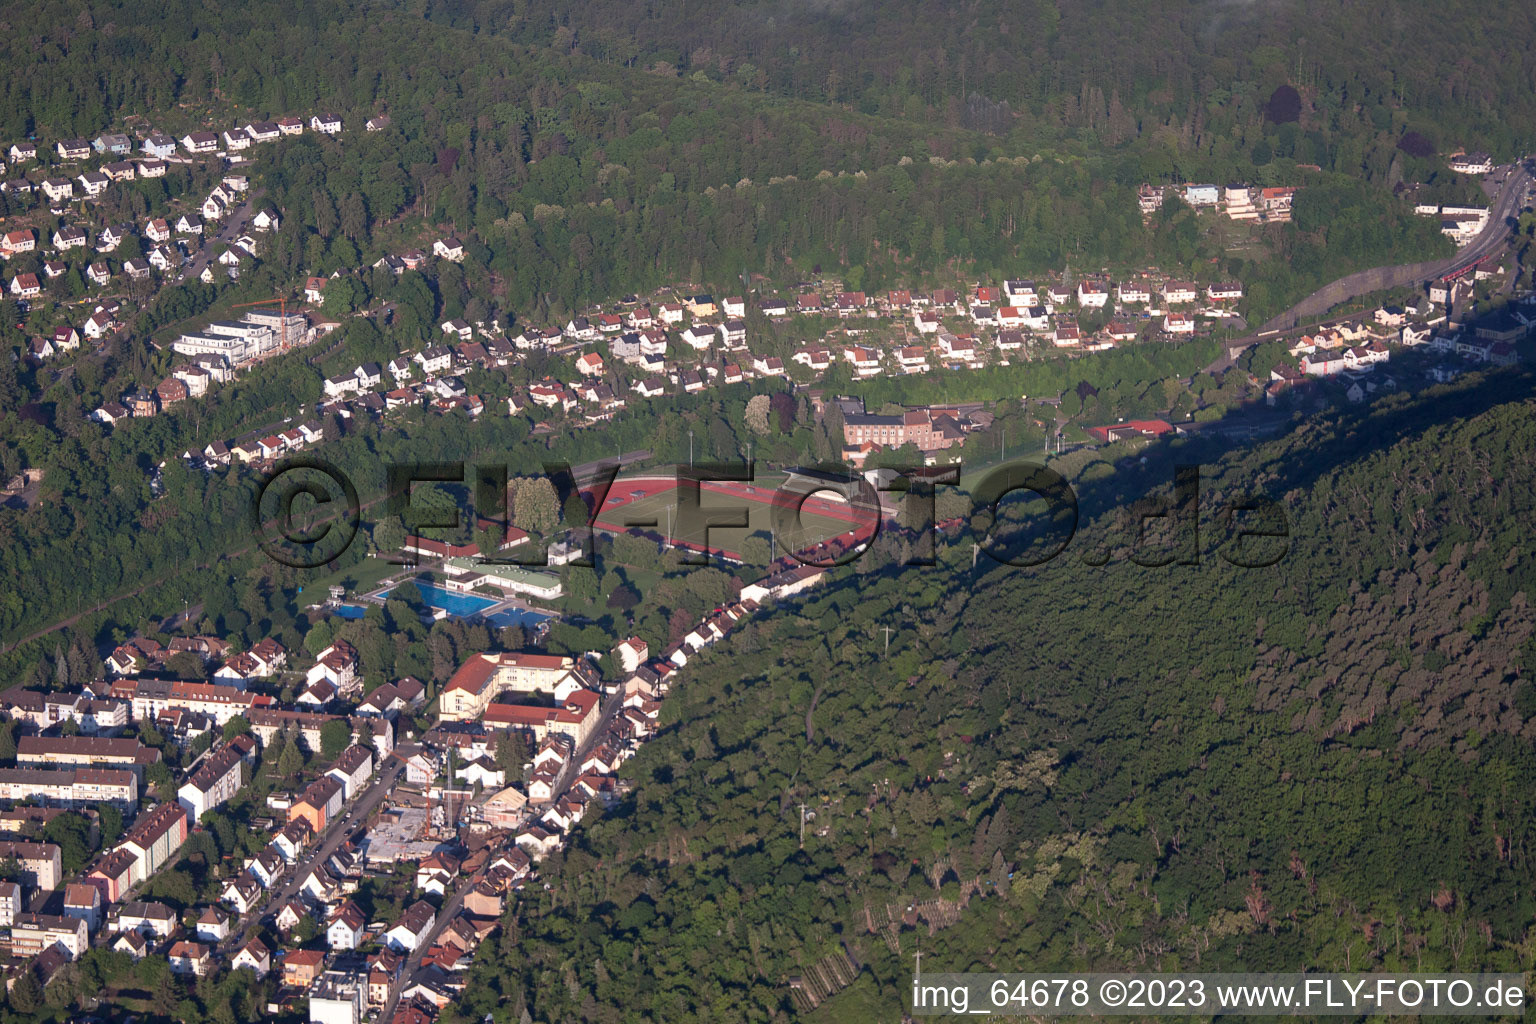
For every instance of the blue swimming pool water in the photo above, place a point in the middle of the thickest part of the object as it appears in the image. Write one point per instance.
(517, 617)
(350, 611)
(458, 605)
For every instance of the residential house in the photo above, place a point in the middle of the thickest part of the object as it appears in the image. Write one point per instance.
(217, 779)
(83, 900)
(19, 241)
(1179, 292)
(33, 934)
(10, 903)
(155, 838)
(412, 928)
(200, 142)
(243, 893)
(1202, 195)
(1468, 163)
(190, 959)
(346, 928)
(212, 926)
(434, 360)
(159, 145)
(113, 874)
(290, 916)
(93, 183)
(320, 802)
(131, 943)
(338, 665)
(152, 920)
(352, 769)
(302, 966)
(1092, 294)
(58, 189)
(268, 866)
(115, 143)
(253, 956)
(170, 391)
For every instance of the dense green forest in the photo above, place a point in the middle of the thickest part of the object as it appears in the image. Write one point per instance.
(1200, 74)
(1200, 71)
(1319, 764)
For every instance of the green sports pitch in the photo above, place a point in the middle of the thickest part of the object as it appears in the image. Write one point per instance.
(649, 506)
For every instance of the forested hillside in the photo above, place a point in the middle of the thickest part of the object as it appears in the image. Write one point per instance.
(1319, 764)
(1100, 69)
(584, 173)
(1195, 76)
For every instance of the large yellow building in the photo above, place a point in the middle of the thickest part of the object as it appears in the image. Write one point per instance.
(484, 677)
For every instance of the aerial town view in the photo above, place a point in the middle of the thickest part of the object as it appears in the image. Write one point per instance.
(535, 512)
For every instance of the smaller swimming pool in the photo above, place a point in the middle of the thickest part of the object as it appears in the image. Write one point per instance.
(349, 611)
(517, 617)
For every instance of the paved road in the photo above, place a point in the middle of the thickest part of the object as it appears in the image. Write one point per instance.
(1495, 234)
(234, 227)
(412, 966)
(585, 472)
(335, 833)
(450, 908)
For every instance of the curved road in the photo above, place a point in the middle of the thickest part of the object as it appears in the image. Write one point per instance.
(1495, 234)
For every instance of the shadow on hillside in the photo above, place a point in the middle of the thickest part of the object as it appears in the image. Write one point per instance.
(1335, 436)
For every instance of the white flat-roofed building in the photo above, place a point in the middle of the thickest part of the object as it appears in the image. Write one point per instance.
(34, 933)
(237, 341)
(465, 575)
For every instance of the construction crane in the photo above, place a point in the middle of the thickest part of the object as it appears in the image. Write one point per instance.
(282, 306)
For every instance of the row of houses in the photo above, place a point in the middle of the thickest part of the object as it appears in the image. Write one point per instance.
(1354, 350)
(160, 145)
(1239, 202)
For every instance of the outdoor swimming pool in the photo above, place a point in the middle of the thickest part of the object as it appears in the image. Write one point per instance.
(350, 611)
(518, 617)
(455, 604)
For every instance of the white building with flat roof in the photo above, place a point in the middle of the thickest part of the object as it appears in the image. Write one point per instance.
(465, 574)
(337, 998)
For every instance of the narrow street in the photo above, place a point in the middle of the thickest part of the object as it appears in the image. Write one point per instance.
(330, 840)
(452, 905)
(234, 227)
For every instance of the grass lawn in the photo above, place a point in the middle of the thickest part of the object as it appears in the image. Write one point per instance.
(361, 577)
